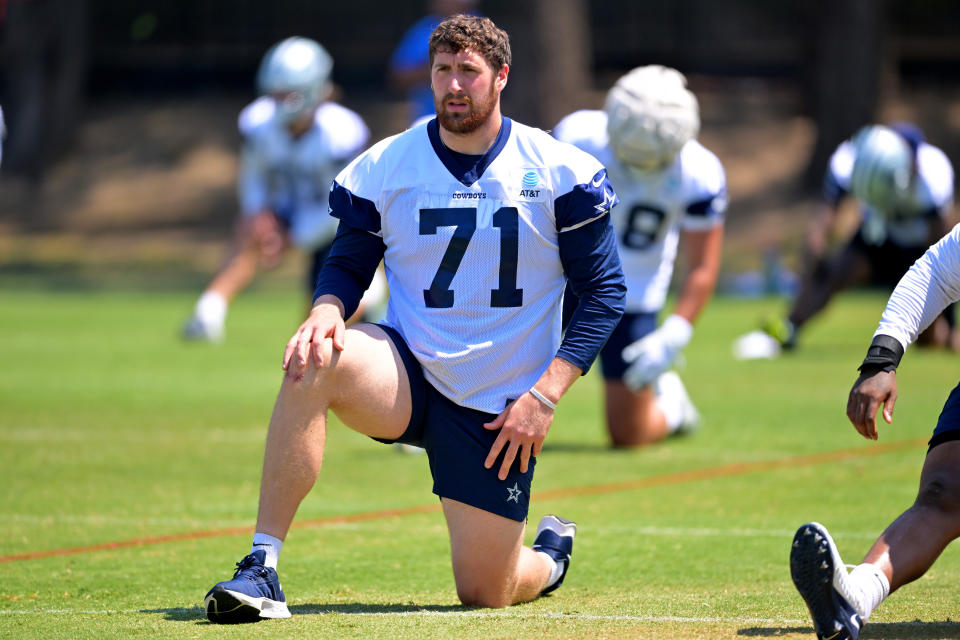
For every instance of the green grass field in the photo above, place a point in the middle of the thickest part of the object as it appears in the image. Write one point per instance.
(113, 431)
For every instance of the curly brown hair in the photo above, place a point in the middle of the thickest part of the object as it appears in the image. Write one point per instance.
(477, 33)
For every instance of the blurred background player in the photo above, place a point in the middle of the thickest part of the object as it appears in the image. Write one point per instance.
(670, 186)
(904, 189)
(409, 66)
(840, 602)
(294, 144)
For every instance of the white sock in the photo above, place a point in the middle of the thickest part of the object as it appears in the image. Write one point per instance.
(268, 544)
(671, 398)
(211, 308)
(556, 570)
(671, 412)
(873, 586)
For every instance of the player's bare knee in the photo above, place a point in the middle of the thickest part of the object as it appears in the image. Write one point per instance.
(477, 587)
(941, 491)
(623, 439)
(310, 376)
(477, 595)
(634, 431)
(302, 377)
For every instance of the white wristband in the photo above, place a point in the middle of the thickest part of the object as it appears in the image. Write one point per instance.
(542, 398)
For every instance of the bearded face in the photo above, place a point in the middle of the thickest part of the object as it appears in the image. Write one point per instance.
(465, 92)
(462, 113)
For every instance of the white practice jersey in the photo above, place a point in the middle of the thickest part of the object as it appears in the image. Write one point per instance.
(689, 194)
(932, 283)
(908, 225)
(292, 176)
(472, 259)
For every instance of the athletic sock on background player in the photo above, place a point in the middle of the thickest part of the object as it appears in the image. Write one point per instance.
(672, 411)
(673, 401)
(211, 308)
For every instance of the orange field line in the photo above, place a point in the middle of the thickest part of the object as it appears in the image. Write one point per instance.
(723, 471)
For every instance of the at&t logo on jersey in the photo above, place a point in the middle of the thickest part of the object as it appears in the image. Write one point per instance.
(529, 184)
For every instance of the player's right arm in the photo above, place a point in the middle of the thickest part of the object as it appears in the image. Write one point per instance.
(253, 190)
(257, 203)
(836, 187)
(818, 235)
(326, 320)
(922, 294)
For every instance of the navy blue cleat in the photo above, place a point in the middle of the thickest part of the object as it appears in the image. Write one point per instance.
(555, 538)
(253, 593)
(821, 578)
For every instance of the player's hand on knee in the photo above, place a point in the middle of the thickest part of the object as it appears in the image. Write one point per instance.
(656, 352)
(523, 426)
(325, 321)
(869, 394)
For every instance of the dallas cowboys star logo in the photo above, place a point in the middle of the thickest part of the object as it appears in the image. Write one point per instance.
(513, 493)
(607, 203)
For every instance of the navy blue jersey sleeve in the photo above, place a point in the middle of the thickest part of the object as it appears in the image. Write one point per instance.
(585, 202)
(350, 266)
(710, 207)
(592, 264)
(355, 210)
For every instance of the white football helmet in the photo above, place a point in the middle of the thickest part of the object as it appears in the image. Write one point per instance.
(650, 115)
(300, 69)
(882, 167)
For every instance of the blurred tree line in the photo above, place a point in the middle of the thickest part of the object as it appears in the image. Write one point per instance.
(57, 54)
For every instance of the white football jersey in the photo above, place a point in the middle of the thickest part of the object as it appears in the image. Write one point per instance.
(688, 194)
(931, 189)
(292, 176)
(932, 283)
(472, 261)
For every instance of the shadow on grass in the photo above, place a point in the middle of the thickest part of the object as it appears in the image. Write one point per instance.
(363, 609)
(180, 614)
(198, 615)
(915, 630)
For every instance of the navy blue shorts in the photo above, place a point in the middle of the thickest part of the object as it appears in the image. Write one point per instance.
(457, 445)
(632, 327)
(948, 426)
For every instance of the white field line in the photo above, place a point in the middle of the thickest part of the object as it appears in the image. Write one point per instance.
(691, 532)
(442, 614)
(703, 532)
(101, 519)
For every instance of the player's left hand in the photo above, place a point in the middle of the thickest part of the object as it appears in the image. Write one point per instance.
(523, 426)
(656, 352)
